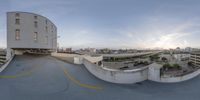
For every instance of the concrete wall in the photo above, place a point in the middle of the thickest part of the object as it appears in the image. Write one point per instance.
(150, 72)
(109, 75)
(78, 60)
(154, 75)
(117, 65)
(72, 58)
(154, 72)
(116, 76)
(65, 57)
(18, 52)
(7, 63)
(45, 40)
(180, 78)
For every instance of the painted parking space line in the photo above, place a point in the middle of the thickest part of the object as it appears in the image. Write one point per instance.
(77, 82)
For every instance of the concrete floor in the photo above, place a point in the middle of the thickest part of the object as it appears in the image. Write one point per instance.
(46, 78)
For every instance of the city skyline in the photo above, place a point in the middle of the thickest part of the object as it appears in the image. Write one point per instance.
(115, 24)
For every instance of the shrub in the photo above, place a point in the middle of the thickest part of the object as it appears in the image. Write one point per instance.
(169, 66)
(166, 66)
(154, 57)
(177, 66)
(164, 59)
(190, 63)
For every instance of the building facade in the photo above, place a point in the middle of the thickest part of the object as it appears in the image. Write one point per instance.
(195, 58)
(29, 32)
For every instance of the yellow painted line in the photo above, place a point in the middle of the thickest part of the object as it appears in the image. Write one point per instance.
(27, 73)
(16, 76)
(79, 83)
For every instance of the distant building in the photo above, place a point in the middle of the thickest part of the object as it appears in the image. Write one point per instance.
(188, 49)
(178, 48)
(92, 50)
(87, 51)
(181, 57)
(65, 50)
(68, 50)
(29, 32)
(195, 58)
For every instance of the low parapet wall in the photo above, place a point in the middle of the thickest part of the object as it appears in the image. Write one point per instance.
(71, 58)
(154, 75)
(180, 78)
(151, 72)
(136, 75)
(116, 76)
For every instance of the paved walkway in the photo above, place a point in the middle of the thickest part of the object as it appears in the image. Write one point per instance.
(46, 78)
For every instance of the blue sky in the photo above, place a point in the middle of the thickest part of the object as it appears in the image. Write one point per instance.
(115, 23)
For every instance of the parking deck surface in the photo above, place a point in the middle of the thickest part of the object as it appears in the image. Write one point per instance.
(30, 77)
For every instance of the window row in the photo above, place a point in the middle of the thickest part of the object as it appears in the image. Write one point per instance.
(17, 22)
(17, 15)
(35, 36)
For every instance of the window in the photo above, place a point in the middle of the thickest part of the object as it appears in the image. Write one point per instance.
(51, 26)
(35, 36)
(46, 40)
(17, 15)
(35, 24)
(46, 28)
(17, 34)
(35, 17)
(17, 21)
(46, 22)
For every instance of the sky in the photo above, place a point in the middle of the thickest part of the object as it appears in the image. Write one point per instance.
(115, 23)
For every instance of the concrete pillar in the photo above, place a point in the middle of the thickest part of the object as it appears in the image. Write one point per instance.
(18, 52)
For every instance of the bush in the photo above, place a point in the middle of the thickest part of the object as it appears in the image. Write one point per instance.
(177, 66)
(169, 66)
(166, 66)
(164, 59)
(154, 57)
(146, 62)
(190, 63)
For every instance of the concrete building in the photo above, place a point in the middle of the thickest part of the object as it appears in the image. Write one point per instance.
(195, 58)
(29, 32)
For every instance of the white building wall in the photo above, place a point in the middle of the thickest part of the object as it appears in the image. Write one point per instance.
(78, 60)
(27, 29)
(154, 72)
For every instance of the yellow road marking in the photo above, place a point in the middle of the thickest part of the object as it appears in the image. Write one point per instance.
(27, 73)
(15, 76)
(78, 82)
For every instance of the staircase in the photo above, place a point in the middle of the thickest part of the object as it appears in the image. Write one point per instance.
(2, 57)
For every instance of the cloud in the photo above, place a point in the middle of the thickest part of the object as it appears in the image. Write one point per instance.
(169, 37)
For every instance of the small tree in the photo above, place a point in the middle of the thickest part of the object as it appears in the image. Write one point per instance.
(190, 63)
(146, 62)
(154, 57)
(177, 66)
(164, 59)
(166, 66)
